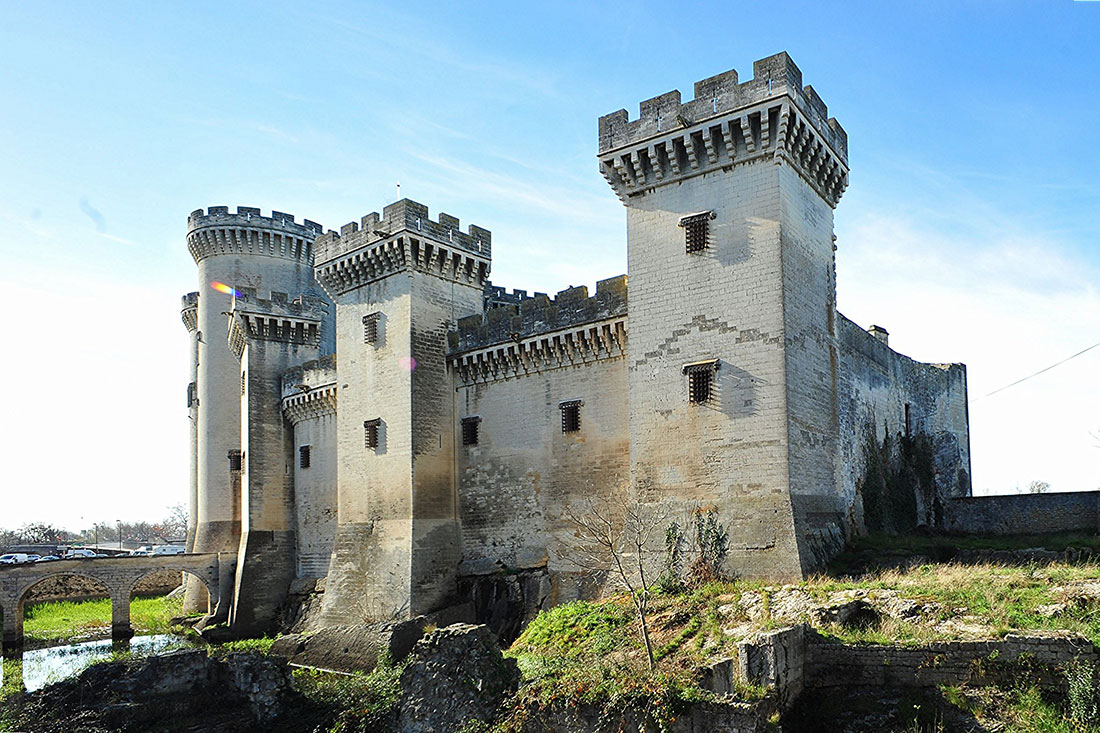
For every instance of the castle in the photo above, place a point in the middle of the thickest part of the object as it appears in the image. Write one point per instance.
(378, 414)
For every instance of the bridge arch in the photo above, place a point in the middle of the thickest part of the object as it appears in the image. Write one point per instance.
(209, 583)
(119, 575)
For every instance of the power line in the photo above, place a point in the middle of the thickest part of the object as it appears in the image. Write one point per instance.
(1047, 369)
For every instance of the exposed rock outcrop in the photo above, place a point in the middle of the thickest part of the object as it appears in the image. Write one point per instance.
(455, 676)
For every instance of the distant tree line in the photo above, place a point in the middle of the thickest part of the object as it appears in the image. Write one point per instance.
(172, 527)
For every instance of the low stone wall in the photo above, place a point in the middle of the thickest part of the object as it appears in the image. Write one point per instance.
(973, 663)
(79, 587)
(791, 660)
(1077, 511)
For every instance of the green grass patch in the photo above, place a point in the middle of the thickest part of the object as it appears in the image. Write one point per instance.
(73, 620)
(260, 645)
(358, 702)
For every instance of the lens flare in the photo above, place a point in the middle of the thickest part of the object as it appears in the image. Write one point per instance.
(223, 288)
(407, 363)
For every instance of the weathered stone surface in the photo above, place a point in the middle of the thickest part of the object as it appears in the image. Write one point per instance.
(455, 675)
(184, 690)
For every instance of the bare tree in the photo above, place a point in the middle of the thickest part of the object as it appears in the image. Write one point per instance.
(1038, 487)
(614, 537)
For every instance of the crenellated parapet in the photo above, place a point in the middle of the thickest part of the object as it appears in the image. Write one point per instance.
(309, 391)
(771, 116)
(403, 238)
(189, 311)
(539, 314)
(279, 319)
(247, 232)
(580, 345)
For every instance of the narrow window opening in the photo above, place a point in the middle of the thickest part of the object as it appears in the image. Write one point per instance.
(696, 231)
(190, 394)
(370, 432)
(236, 460)
(370, 328)
(303, 456)
(700, 376)
(244, 382)
(570, 416)
(470, 429)
(908, 428)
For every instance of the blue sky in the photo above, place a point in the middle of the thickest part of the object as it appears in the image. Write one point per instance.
(969, 229)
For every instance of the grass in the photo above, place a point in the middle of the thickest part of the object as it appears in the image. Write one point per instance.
(59, 621)
(352, 702)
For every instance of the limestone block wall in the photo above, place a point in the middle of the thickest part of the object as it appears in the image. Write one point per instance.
(309, 404)
(516, 484)
(877, 388)
(722, 304)
(811, 371)
(1077, 511)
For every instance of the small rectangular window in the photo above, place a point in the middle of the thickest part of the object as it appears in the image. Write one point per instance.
(190, 394)
(236, 460)
(570, 415)
(370, 432)
(696, 231)
(470, 427)
(303, 456)
(700, 376)
(244, 382)
(370, 328)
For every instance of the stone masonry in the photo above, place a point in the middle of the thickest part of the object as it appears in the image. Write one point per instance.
(369, 408)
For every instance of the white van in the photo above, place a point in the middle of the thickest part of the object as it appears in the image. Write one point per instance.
(14, 558)
(168, 550)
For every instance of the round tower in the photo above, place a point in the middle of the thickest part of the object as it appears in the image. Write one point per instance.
(235, 252)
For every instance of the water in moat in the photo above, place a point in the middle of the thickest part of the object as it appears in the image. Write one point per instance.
(42, 667)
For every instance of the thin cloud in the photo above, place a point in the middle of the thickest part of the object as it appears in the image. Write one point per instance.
(120, 240)
(92, 213)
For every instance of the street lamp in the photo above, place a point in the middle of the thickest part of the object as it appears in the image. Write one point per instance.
(119, 533)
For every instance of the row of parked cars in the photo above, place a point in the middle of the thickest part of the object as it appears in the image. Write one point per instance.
(20, 558)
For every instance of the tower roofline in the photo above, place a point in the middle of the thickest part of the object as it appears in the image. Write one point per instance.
(717, 96)
(252, 217)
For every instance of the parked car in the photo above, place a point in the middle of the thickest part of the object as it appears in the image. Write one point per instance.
(13, 558)
(79, 553)
(32, 557)
(168, 550)
(143, 550)
(47, 558)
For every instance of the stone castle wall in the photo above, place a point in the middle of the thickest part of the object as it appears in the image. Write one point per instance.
(877, 387)
(1022, 514)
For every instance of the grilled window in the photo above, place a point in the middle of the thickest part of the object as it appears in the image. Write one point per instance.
(303, 456)
(370, 432)
(244, 381)
(696, 231)
(236, 460)
(700, 376)
(470, 427)
(370, 328)
(570, 416)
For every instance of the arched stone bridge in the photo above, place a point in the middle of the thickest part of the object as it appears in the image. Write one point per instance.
(118, 575)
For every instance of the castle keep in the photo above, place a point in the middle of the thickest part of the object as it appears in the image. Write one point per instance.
(368, 408)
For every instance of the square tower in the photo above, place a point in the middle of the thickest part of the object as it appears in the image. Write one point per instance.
(732, 352)
(399, 282)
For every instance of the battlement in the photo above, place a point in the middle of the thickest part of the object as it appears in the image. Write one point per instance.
(220, 216)
(280, 304)
(189, 311)
(309, 376)
(496, 296)
(539, 314)
(718, 96)
(408, 215)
